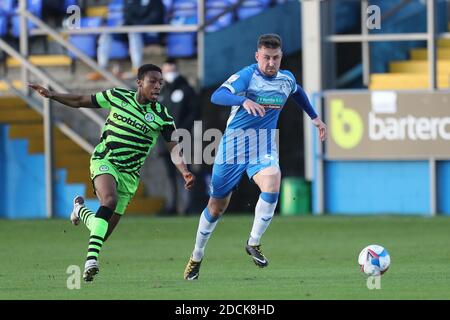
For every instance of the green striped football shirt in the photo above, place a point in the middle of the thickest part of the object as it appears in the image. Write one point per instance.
(131, 129)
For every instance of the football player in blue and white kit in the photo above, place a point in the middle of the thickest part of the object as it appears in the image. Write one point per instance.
(257, 95)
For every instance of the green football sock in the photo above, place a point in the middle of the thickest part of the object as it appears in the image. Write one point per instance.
(99, 227)
(86, 216)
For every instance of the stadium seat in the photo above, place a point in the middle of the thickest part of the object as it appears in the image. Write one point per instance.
(7, 7)
(116, 5)
(3, 26)
(119, 45)
(215, 8)
(182, 44)
(251, 7)
(151, 38)
(67, 3)
(178, 3)
(115, 13)
(35, 7)
(15, 26)
(282, 1)
(168, 6)
(86, 43)
(119, 49)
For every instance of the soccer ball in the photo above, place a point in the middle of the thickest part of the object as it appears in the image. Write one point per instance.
(374, 260)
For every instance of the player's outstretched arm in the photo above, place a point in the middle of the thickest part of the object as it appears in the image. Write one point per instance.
(70, 100)
(176, 155)
(223, 96)
(302, 100)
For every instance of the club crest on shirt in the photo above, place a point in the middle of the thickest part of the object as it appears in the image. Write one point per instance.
(149, 117)
(124, 104)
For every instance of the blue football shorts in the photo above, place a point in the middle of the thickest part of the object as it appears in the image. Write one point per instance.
(226, 176)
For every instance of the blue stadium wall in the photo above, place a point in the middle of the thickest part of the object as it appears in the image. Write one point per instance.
(386, 187)
(376, 187)
(22, 195)
(381, 187)
(443, 187)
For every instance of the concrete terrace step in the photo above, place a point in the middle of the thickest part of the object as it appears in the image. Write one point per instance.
(77, 81)
(405, 81)
(418, 66)
(20, 116)
(12, 103)
(35, 131)
(443, 43)
(25, 123)
(422, 54)
(16, 83)
(62, 145)
(42, 61)
(70, 160)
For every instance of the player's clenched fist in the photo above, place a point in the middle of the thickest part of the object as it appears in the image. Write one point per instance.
(189, 179)
(322, 128)
(254, 108)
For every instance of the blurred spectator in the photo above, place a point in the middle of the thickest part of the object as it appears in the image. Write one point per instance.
(136, 12)
(53, 13)
(182, 101)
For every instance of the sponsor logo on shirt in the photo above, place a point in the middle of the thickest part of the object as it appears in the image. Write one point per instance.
(271, 102)
(132, 122)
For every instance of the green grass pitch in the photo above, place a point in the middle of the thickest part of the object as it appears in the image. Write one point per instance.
(310, 258)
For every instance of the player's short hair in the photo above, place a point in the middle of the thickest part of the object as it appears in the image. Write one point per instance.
(270, 40)
(142, 71)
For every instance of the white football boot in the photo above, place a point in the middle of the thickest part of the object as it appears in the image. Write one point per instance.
(90, 270)
(78, 203)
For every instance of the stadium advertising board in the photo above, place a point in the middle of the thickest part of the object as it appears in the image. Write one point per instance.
(388, 125)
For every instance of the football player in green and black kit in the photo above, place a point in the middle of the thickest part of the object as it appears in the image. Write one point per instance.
(131, 130)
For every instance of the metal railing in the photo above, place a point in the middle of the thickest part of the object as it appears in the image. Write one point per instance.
(364, 38)
(46, 113)
(44, 29)
(430, 36)
(77, 52)
(37, 106)
(27, 67)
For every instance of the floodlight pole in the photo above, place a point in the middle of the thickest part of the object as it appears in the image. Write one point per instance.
(432, 74)
(48, 152)
(365, 44)
(313, 85)
(23, 43)
(201, 41)
(431, 43)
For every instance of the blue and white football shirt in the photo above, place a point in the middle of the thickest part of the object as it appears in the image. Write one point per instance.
(242, 127)
(249, 142)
